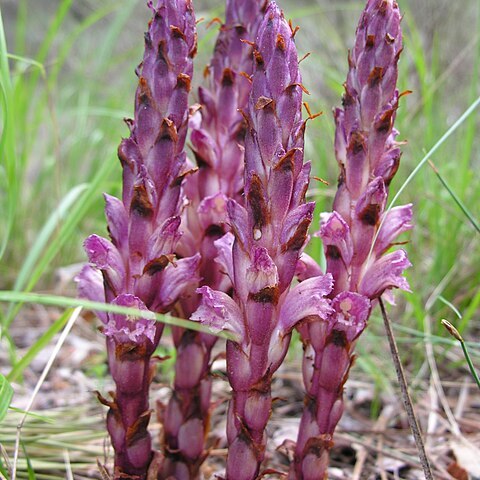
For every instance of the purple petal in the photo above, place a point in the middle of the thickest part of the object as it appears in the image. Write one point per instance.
(386, 272)
(262, 271)
(239, 221)
(307, 267)
(338, 246)
(296, 226)
(367, 216)
(335, 232)
(117, 220)
(204, 147)
(224, 257)
(90, 286)
(105, 256)
(307, 299)
(213, 210)
(176, 280)
(397, 221)
(125, 328)
(164, 239)
(219, 312)
(352, 312)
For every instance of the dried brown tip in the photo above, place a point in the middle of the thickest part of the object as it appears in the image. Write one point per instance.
(304, 57)
(321, 180)
(214, 20)
(247, 76)
(302, 87)
(452, 330)
(405, 93)
(293, 29)
(248, 42)
(176, 32)
(435, 169)
(311, 115)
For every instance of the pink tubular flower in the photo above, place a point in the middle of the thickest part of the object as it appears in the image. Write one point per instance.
(358, 232)
(137, 267)
(218, 131)
(268, 236)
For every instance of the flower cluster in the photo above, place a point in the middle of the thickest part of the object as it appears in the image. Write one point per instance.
(359, 231)
(220, 238)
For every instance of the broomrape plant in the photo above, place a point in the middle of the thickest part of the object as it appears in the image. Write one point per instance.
(217, 136)
(138, 267)
(219, 239)
(358, 232)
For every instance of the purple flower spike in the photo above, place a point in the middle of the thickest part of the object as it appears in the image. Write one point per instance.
(218, 132)
(268, 235)
(138, 267)
(358, 232)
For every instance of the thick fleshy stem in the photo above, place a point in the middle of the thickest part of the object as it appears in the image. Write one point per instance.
(218, 144)
(261, 253)
(137, 267)
(355, 245)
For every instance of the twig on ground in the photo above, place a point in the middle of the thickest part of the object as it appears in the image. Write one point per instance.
(407, 401)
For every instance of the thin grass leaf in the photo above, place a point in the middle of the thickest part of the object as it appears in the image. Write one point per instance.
(52, 32)
(451, 306)
(422, 162)
(28, 61)
(455, 197)
(30, 470)
(56, 218)
(116, 28)
(7, 143)
(39, 345)
(43, 418)
(434, 339)
(59, 301)
(68, 43)
(68, 227)
(6, 395)
(469, 313)
(456, 334)
(437, 145)
(3, 471)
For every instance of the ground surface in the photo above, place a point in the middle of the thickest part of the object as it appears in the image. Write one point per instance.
(72, 440)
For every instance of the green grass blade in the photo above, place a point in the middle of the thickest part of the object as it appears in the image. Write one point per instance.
(455, 197)
(116, 27)
(30, 470)
(6, 395)
(67, 44)
(28, 61)
(424, 160)
(67, 229)
(52, 224)
(451, 306)
(53, 29)
(470, 364)
(59, 301)
(3, 471)
(437, 145)
(38, 346)
(7, 143)
(43, 418)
